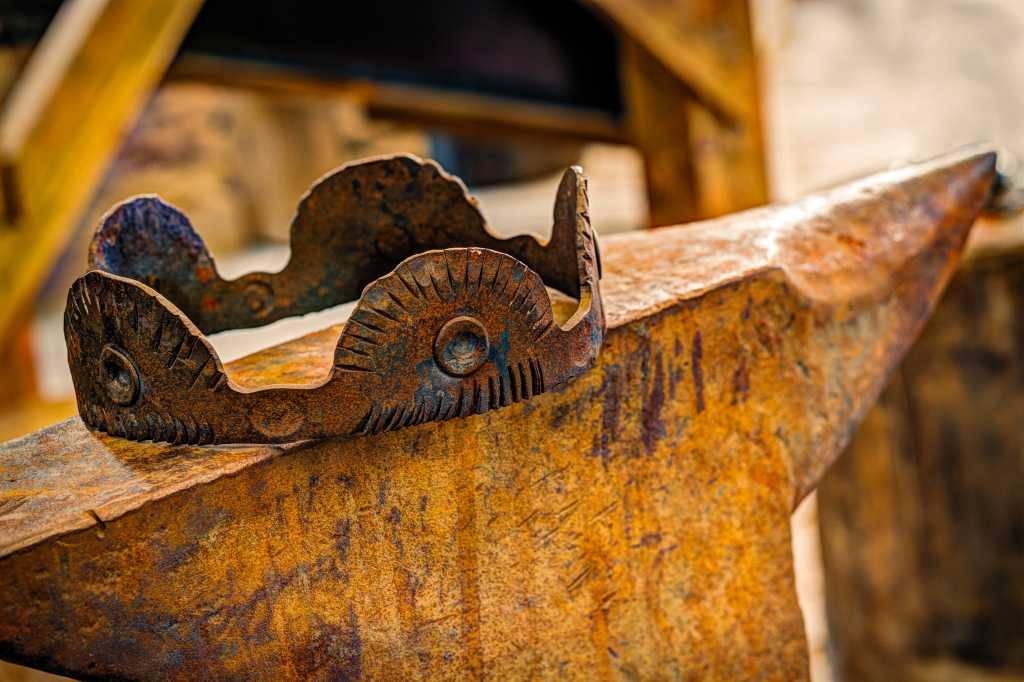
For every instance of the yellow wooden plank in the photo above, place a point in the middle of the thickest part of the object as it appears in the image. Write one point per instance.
(704, 148)
(702, 42)
(83, 87)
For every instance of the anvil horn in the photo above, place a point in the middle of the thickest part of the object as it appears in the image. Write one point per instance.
(867, 261)
(633, 523)
(919, 226)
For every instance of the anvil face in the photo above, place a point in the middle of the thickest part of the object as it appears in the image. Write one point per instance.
(634, 523)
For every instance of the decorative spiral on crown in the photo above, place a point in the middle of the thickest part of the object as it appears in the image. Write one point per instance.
(465, 322)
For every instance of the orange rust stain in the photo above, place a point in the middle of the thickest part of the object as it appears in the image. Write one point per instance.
(469, 574)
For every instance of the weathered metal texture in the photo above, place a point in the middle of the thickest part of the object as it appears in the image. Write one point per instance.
(633, 524)
(451, 321)
(921, 520)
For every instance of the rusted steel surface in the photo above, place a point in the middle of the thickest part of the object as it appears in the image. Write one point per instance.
(451, 321)
(921, 519)
(634, 523)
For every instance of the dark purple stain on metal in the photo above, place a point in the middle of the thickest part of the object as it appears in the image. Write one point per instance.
(611, 390)
(740, 383)
(314, 479)
(652, 427)
(343, 533)
(696, 352)
(395, 519)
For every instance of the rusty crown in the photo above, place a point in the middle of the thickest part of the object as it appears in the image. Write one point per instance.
(451, 320)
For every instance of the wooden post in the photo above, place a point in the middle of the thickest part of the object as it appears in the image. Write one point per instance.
(83, 86)
(692, 97)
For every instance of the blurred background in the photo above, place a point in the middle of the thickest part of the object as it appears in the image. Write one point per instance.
(678, 110)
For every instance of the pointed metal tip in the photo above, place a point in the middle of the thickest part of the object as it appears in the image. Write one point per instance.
(891, 242)
(570, 199)
(906, 223)
(976, 153)
(975, 162)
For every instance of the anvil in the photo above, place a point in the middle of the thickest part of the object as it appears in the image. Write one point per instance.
(633, 523)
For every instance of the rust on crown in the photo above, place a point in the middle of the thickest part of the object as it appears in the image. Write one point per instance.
(451, 321)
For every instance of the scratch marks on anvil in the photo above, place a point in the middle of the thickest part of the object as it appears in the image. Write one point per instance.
(199, 525)
(529, 517)
(10, 505)
(604, 510)
(577, 581)
(652, 596)
(547, 475)
(545, 534)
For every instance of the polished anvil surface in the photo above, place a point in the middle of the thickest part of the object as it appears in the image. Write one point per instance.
(634, 523)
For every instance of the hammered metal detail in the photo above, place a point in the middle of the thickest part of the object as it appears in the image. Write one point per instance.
(120, 375)
(461, 346)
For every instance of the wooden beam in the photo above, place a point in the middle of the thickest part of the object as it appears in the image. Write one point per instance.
(658, 119)
(430, 107)
(703, 43)
(81, 90)
(634, 523)
(701, 161)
